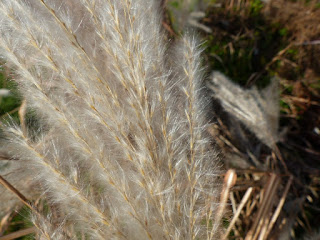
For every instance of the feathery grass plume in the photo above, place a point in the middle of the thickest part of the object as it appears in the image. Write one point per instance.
(49, 230)
(123, 151)
(257, 110)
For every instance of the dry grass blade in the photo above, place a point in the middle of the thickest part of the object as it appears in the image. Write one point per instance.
(5, 222)
(237, 213)
(263, 212)
(279, 156)
(19, 233)
(279, 207)
(11, 188)
(3, 157)
(229, 181)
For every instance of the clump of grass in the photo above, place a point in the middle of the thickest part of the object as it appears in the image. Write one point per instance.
(121, 149)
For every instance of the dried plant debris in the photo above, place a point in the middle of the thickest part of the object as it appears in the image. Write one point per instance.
(257, 110)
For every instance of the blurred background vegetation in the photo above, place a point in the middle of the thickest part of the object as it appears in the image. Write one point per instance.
(251, 41)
